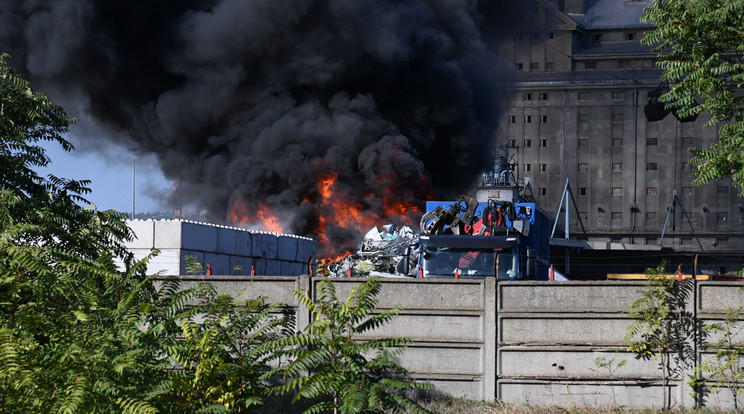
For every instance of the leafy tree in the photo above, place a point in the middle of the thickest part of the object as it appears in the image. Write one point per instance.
(193, 265)
(68, 315)
(82, 327)
(330, 365)
(662, 325)
(701, 44)
(603, 364)
(220, 352)
(727, 367)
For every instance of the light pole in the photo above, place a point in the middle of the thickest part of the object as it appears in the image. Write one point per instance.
(133, 184)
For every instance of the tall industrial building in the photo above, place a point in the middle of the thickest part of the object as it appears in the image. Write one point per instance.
(577, 113)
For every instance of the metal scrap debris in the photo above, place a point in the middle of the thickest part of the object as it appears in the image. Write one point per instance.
(381, 252)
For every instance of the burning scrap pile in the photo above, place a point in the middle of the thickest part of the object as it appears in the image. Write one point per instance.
(386, 250)
(382, 252)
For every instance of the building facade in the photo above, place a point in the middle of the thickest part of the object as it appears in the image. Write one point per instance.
(577, 114)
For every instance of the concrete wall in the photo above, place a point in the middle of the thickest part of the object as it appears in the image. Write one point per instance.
(452, 323)
(522, 342)
(228, 250)
(550, 336)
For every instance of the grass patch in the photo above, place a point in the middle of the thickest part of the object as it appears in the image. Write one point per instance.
(463, 406)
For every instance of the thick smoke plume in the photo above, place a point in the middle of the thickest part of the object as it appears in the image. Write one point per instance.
(251, 103)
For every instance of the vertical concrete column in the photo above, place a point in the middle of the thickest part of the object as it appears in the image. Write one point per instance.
(685, 389)
(489, 339)
(303, 315)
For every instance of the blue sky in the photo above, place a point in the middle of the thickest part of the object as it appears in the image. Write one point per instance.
(110, 171)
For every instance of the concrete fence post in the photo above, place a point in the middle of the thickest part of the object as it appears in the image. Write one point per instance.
(303, 315)
(489, 339)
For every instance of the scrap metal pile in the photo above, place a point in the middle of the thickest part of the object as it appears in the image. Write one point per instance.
(382, 252)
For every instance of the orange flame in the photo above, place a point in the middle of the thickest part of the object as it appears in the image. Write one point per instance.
(336, 206)
(325, 186)
(342, 211)
(262, 218)
(270, 222)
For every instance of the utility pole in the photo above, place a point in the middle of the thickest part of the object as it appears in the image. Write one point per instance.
(133, 176)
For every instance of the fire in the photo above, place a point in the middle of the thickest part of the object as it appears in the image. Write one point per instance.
(338, 207)
(399, 208)
(271, 223)
(335, 206)
(325, 184)
(261, 217)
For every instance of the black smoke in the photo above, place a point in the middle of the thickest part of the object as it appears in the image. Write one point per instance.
(257, 99)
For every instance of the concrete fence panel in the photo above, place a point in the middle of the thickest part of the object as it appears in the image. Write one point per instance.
(562, 343)
(540, 343)
(452, 324)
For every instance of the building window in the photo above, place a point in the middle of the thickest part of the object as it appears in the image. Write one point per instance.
(652, 142)
(687, 191)
(527, 96)
(617, 215)
(543, 167)
(544, 119)
(543, 191)
(652, 166)
(623, 63)
(513, 143)
(584, 96)
(617, 142)
(527, 167)
(722, 191)
(527, 143)
(534, 66)
(583, 167)
(596, 38)
(617, 191)
(513, 119)
(617, 118)
(519, 66)
(651, 191)
(543, 143)
(590, 65)
(629, 36)
(583, 142)
(617, 167)
(528, 119)
(618, 95)
(549, 66)
(582, 191)
(543, 96)
(551, 35)
(616, 240)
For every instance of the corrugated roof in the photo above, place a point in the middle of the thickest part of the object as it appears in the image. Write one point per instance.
(608, 14)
